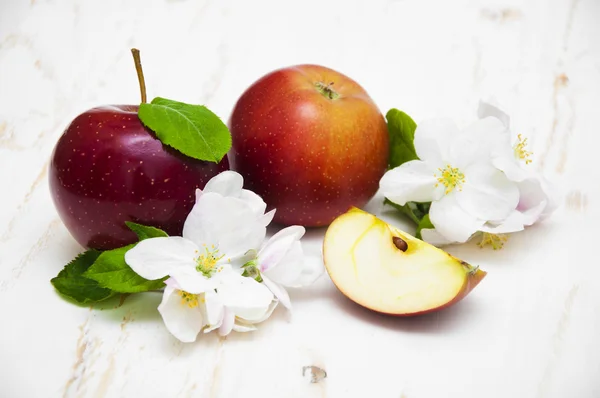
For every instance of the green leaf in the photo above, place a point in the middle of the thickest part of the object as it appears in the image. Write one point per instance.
(145, 232)
(413, 210)
(111, 271)
(191, 129)
(424, 224)
(401, 128)
(71, 283)
(94, 276)
(423, 208)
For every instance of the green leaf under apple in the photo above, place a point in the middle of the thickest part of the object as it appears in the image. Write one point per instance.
(95, 276)
(71, 283)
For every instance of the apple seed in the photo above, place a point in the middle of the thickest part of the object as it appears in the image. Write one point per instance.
(400, 243)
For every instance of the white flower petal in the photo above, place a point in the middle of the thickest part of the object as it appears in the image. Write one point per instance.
(247, 298)
(434, 237)
(228, 322)
(192, 281)
(229, 184)
(266, 316)
(226, 222)
(227, 274)
(513, 223)
(202, 225)
(198, 194)
(276, 248)
(412, 181)
(247, 237)
(552, 196)
(479, 142)
(287, 269)
(267, 218)
(215, 311)
(285, 236)
(487, 109)
(536, 199)
(237, 262)
(182, 321)
(226, 183)
(243, 325)
(487, 194)
(278, 291)
(155, 258)
(452, 221)
(531, 194)
(511, 167)
(533, 214)
(255, 202)
(433, 138)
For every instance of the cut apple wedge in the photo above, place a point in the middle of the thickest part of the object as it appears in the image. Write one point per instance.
(389, 271)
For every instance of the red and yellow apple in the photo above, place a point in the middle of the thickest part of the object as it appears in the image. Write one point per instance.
(389, 271)
(310, 141)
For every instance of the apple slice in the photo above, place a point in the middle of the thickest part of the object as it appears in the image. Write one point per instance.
(389, 271)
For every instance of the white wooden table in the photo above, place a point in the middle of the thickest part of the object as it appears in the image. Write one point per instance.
(530, 329)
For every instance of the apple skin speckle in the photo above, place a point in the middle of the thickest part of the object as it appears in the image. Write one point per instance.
(132, 177)
(308, 156)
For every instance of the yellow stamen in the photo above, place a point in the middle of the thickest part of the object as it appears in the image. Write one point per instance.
(189, 299)
(497, 241)
(520, 150)
(207, 262)
(450, 177)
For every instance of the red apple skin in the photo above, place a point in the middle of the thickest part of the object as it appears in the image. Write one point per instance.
(471, 281)
(107, 168)
(309, 156)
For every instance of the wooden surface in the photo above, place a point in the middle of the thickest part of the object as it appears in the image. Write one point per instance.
(531, 329)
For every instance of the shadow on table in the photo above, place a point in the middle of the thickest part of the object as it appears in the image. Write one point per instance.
(140, 307)
(458, 315)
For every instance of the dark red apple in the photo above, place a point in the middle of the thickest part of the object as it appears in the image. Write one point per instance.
(310, 141)
(107, 168)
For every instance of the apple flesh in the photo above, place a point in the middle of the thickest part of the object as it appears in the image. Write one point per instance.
(389, 271)
(107, 168)
(310, 141)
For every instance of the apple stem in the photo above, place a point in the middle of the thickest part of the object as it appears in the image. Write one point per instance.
(140, 73)
(327, 90)
(472, 269)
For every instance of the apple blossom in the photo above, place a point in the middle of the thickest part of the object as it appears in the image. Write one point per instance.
(536, 195)
(236, 304)
(223, 225)
(455, 173)
(506, 174)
